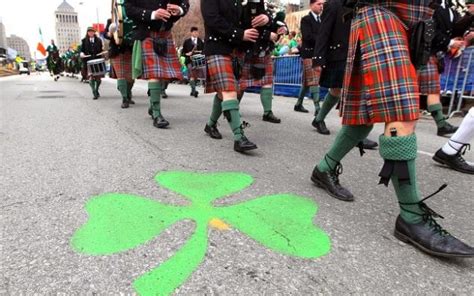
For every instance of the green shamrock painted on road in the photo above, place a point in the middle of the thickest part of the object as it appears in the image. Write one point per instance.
(120, 222)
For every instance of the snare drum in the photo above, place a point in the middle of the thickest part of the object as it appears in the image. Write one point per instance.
(198, 61)
(96, 67)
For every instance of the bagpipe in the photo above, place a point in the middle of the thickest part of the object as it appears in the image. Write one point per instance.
(253, 8)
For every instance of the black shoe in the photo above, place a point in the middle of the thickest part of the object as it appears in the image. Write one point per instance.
(329, 181)
(320, 126)
(164, 95)
(98, 94)
(95, 97)
(271, 118)
(160, 122)
(456, 161)
(212, 131)
(196, 93)
(131, 102)
(124, 105)
(369, 144)
(150, 112)
(447, 129)
(300, 108)
(431, 238)
(243, 145)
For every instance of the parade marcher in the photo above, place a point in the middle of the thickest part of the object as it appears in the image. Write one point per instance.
(121, 64)
(53, 60)
(330, 53)
(380, 85)
(464, 27)
(191, 46)
(91, 47)
(310, 30)
(255, 59)
(429, 76)
(223, 35)
(451, 153)
(159, 60)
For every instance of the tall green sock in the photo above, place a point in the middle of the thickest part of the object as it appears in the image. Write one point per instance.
(92, 85)
(216, 111)
(314, 90)
(122, 87)
(192, 83)
(129, 88)
(301, 96)
(329, 102)
(266, 97)
(155, 95)
(403, 150)
(240, 95)
(347, 138)
(231, 112)
(436, 111)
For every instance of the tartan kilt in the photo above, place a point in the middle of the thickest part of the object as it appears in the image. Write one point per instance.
(310, 75)
(428, 77)
(246, 79)
(332, 75)
(220, 75)
(121, 66)
(380, 83)
(165, 67)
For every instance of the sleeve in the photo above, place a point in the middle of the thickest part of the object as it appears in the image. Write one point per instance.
(219, 24)
(441, 39)
(329, 18)
(306, 31)
(83, 45)
(136, 13)
(184, 4)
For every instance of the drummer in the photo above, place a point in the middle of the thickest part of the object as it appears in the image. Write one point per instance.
(91, 47)
(191, 47)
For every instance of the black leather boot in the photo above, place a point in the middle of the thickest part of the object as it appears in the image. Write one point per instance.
(300, 108)
(160, 122)
(243, 145)
(456, 161)
(329, 181)
(447, 129)
(320, 126)
(271, 118)
(212, 131)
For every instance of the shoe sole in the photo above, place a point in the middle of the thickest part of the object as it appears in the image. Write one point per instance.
(161, 125)
(322, 186)
(441, 161)
(409, 240)
(271, 121)
(245, 149)
(306, 111)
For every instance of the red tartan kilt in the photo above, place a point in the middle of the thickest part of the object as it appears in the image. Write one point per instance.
(122, 66)
(165, 67)
(310, 75)
(246, 79)
(220, 75)
(428, 78)
(380, 83)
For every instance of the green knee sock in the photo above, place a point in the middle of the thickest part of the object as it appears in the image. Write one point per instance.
(155, 96)
(347, 138)
(404, 149)
(98, 83)
(192, 83)
(122, 87)
(216, 111)
(436, 111)
(301, 96)
(129, 88)
(266, 97)
(314, 90)
(92, 85)
(231, 111)
(329, 102)
(240, 95)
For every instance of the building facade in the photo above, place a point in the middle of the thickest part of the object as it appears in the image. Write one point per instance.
(3, 36)
(20, 45)
(68, 32)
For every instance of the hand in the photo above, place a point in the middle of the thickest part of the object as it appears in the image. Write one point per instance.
(260, 20)
(173, 9)
(282, 31)
(162, 14)
(469, 36)
(112, 28)
(274, 37)
(250, 35)
(457, 43)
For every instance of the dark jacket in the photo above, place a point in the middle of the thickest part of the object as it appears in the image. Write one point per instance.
(140, 12)
(223, 26)
(92, 49)
(114, 48)
(188, 46)
(333, 40)
(464, 25)
(309, 33)
(444, 28)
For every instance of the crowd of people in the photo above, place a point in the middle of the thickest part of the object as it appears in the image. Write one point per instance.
(365, 52)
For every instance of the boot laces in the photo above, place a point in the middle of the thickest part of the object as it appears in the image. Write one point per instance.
(428, 214)
(334, 172)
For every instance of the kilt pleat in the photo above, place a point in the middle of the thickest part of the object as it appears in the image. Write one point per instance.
(220, 75)
(165, 67)
(122, 66)
(428, 78)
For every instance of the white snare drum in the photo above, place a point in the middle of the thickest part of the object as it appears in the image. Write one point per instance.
(96, 67)
(198, 61)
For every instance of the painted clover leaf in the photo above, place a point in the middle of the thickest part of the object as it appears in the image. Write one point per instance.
(120, 222)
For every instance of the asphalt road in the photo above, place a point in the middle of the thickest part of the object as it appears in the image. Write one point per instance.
(59, 148)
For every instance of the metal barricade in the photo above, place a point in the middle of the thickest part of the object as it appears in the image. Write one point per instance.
(462, 85)
(287, 75)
